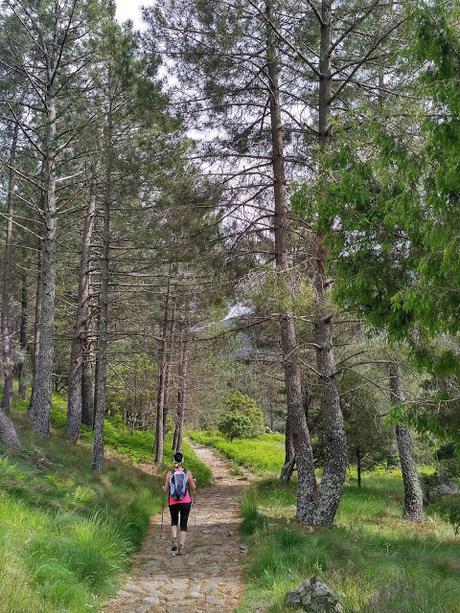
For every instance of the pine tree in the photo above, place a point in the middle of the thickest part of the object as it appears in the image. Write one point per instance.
(48, 47)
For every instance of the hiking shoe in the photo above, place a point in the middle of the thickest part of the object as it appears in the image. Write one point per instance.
(181, 550)
(174, 548)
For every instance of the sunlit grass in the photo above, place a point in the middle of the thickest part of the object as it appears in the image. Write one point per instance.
(67, 535)
(262, 455)
(136, 445)
(373, 558)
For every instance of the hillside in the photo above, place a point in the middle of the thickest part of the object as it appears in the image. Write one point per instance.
(66, 534)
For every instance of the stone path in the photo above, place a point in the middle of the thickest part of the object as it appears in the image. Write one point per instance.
(208, 578)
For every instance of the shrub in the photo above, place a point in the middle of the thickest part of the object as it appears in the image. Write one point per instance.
(236, 425)
(448, 508)
(237, 402)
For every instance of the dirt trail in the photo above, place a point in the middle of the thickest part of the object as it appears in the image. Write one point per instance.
(208, 578)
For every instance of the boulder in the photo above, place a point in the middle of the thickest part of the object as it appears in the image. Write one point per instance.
(314, 596)
(446, 489)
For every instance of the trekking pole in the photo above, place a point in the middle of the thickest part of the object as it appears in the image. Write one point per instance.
(162, 515)
(194, 504)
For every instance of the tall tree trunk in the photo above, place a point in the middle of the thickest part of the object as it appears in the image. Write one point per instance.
(74, 411)
(181, 397)
(159, 424)
(289, 454)
(96, 370)
(413, 493)
(20, 367)
(87, 384)
(159, 421)
(307, 487)
(169, 365)
(38, 288)
(332, 483)
(358, 465)
(40, 403)
(8, 434)
(101, 370)
(6, 318)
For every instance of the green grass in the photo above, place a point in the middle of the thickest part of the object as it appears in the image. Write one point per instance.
(136, 446)
(67, 535)
(263, 455)
(375, 560)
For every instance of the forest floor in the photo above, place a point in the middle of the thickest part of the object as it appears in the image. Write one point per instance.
(209, 577)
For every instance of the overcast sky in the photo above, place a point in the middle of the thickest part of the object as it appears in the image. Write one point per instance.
(130, 9)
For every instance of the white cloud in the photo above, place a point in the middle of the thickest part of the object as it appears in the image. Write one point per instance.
(131, 9)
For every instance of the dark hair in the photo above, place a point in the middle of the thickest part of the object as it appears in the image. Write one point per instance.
(178, 457)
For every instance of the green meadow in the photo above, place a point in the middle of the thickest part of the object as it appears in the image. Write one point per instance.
(374, 559)
(263, 455)
(67, 536)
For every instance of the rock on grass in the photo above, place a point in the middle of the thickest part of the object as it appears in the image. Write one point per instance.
(314, 596)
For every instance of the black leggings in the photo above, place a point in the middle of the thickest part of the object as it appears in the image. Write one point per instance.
(184, 509)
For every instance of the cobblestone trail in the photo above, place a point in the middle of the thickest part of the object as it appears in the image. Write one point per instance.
(208, 578)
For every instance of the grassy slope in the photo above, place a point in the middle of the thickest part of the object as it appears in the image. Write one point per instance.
(262, 455)
(66, 534)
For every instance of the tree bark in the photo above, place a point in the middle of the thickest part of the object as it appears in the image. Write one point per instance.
(8, 434)
(358, 465)
(20, 367)
(332, 483)
(159, 423)
(181, 397)
(38, 286)
(74, 411)
(87, 384)
(289, 454)
(307, 487)
(96, 370)
(101, 370)
(168, 364)
(6, 319)
(413, 493)
(40, 403)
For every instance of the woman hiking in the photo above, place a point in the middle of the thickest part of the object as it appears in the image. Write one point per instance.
(179, 483)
